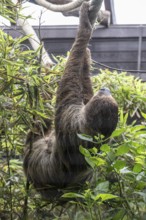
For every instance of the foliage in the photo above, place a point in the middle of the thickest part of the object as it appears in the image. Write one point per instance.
(7, 10)
(27, 94)
(120, 174)
(129, 91)
(11, 11)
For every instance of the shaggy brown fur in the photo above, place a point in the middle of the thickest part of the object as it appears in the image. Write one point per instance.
(54, 162)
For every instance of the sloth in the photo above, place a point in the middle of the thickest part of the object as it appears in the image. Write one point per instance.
(52, 160)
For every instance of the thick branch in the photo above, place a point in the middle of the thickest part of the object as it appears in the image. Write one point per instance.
(60, 8)
(56, 2)
(34, 40)
(103, 17)
(59, 2)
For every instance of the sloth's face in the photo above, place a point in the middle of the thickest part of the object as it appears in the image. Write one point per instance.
(101, 112)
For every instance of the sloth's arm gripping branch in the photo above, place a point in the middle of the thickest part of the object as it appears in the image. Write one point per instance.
(69, 91)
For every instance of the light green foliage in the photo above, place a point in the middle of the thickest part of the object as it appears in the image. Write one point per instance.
(27, 94)
(121, 176)
(129, 92)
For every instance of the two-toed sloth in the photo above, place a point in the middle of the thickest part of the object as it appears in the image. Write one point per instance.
(53, 162)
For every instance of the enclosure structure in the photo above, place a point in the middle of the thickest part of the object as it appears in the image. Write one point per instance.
(119, 46)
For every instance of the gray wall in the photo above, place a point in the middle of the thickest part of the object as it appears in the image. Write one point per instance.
(122, 47)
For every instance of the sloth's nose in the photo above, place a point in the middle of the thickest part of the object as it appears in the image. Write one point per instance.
(105, 90)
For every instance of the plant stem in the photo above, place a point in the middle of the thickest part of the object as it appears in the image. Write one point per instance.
(25, 209)
(9, 173)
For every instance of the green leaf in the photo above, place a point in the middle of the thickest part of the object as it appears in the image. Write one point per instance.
(125, 118)
(137, 168)
(102, 187)
(22, 39)
(93, 150)
(123, 149)
(85, 137)
(72, 195)
(119, 215)
(140, 159)
(94, 161)
(143, 115)
(90, 162)
(105, 148)
(119, 164)
(16, 161)
(117, 132)
(121, 116)
(98, 161)
(138, 128)
(104, 197)
(39, 113)
(84, 151)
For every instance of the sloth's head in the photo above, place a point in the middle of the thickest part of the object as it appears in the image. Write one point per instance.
(101, 113)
